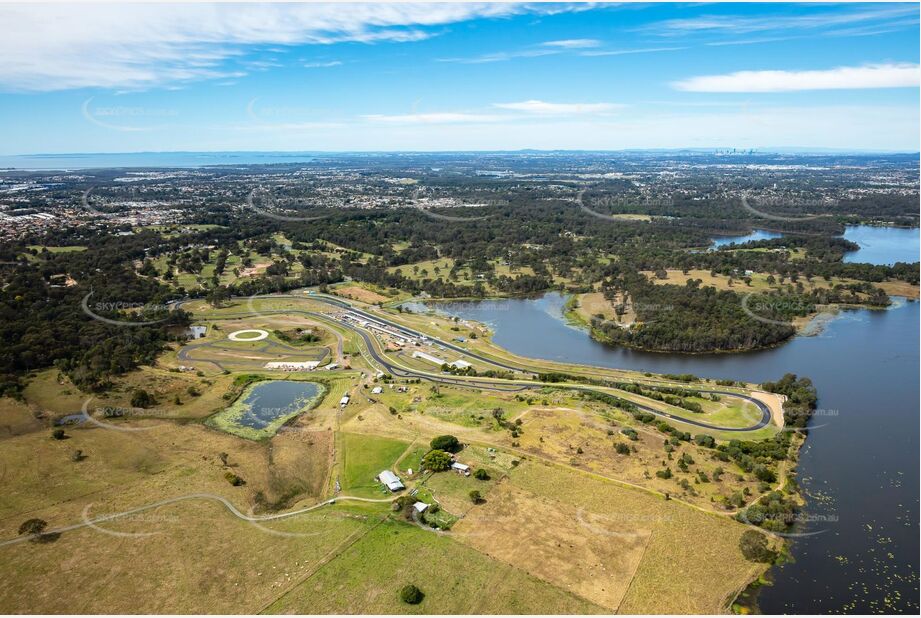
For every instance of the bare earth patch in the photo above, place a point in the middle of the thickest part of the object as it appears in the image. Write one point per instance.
(358, 293)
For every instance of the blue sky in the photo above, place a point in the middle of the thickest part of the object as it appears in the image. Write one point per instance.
(128, 78)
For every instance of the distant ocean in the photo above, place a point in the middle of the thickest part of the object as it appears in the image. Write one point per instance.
(149, 159)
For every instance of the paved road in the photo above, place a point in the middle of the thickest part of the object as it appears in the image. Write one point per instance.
(492, 385)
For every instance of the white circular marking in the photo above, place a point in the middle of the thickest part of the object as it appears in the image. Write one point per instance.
(238, 335)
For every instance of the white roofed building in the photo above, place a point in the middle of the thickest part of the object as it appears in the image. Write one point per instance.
(391, 480)
(429, 358)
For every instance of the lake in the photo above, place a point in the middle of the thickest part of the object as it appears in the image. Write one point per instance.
(719, 241)
(883, 245)
(878, 244)
(265, 406)
(858, 469)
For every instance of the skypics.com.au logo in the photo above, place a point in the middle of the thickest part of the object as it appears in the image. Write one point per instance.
(116, 308)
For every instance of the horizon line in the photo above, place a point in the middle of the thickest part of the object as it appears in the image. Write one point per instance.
(760, 149)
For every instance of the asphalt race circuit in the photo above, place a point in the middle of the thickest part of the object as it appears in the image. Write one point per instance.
(493, 384)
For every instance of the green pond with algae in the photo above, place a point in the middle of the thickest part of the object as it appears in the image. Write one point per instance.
(265, 406)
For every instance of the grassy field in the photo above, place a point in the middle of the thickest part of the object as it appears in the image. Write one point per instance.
(637, 553)
(173, 230)
(237, 566)
(51, 393)
(582, 440)
(412, 459)
(452, 490)
(364, 457)
(366, 579)
(65, 249)
(587, 306)
(550, 540)
(459, 406)
(899, 288)
(365, 293)
(190, 557)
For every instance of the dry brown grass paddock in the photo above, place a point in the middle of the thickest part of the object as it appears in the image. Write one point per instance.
(626, 550)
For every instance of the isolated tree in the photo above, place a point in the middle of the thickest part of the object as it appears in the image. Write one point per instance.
(436, 461)
(754, 547)
(446, 443)
(475, 496)
(411, 594)
(33, 526)
(233, 479)
(141, 399)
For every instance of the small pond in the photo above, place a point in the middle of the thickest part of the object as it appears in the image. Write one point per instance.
(265, 406)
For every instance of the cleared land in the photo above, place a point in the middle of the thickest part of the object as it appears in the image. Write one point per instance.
(455, 579)
(363, 294)
(364, 457)
(684, 545)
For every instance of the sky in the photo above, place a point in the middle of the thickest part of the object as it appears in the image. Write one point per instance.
(134, 77)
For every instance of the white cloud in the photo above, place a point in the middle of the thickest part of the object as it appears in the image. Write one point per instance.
(322, 65)
(573, 43)
(841, 78)
(547, 48)
(503, 56)
(62, 46)
(622, 52)
(534, 106)
(433, 118)
(818, 18)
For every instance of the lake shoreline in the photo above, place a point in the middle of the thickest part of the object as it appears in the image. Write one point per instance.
(810, 325)
(843, 532)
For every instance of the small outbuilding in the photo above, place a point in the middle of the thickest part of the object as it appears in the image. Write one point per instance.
(461, 468)
(420, 507)
(196, 332)
(391, 480)
(377, 390)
